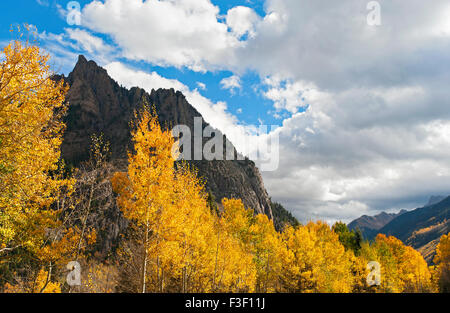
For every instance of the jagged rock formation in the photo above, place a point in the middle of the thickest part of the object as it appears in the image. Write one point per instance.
(98, 104)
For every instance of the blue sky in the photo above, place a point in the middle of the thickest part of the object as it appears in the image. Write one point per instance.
(363, 110)
(246, 102)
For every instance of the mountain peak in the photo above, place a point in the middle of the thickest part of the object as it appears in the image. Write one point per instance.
(82, 59)
(81, 65)
(369, 225)
(98, 104)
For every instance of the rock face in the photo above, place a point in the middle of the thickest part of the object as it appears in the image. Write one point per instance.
(99, 105)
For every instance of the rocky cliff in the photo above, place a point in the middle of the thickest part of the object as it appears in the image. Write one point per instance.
(98, 104)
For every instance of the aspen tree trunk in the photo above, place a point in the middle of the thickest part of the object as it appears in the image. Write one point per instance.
(49, 274)
(162, 281)
(217, 254)
(88, 210)
(157, 272)
(183, 277)
(267, 272)
(144, 263)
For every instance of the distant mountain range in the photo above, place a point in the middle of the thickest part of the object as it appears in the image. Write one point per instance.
(420, 228)
(370, 225)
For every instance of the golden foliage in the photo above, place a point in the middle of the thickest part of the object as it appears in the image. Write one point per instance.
(442, 261)
(31, 105)
(403, 269)
(316, 260)
(41, 284)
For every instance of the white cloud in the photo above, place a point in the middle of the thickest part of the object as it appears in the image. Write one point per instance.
(285, 95)
(134, 78)
(242, 20)
(201, 85)
(179, 33)
(64, 47)
(231, 83)
(87, 41)
(374, 130)
(359, 151)
(331, 44)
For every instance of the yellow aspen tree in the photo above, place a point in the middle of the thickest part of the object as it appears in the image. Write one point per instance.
(31, 128)
(186, 252)
(266, 245)
(144, 191)
(402, 268)
(41, 284)
(360, 271)
(181, 252)
(318, 261)
(388, 250)
(238, 219)
(234, 267)
(442, 261)
(415, 272)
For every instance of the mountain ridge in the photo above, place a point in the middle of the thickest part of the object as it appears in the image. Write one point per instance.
(369, 225)
(98, 104)
(420, 228)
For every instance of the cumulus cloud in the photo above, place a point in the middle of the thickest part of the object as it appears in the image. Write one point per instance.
(65, 46)
(178, 33)
(360, 146)
(331, 44)
(375, 132)
(231, 83)
(87, 41)
(242, 21)
(286, 95)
